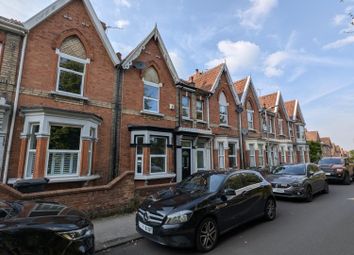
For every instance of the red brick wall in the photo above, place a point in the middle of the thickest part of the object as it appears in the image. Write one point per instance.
(132, 101)
(39, 79)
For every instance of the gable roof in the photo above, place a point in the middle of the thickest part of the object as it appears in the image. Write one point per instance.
(274, 101)
(135, 53)
(297, 110)
(242, 88)
(290, 108)
(312, 136)
(209, 80)
(58, 5)
(326, 140)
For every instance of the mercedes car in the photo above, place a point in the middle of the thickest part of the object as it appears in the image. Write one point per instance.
(203, 206)
(44, 228)
(298, 181)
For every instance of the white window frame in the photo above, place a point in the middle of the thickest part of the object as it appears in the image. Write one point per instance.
(233, 155)
(252, 155)
(187, 108)
(283, 154)
(291, 155)
(159, 155)
(59, 69)
(221, 155)
(199, 110)
(260, 155)
(158, 86)
(64, 151)
(280, 125)
(302, 155)
(250, 119)
(271, 131)
(203, 150)
(139, 157)
(26, 176)
(223, 103)
(90, 152)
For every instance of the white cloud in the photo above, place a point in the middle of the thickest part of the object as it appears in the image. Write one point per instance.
(339, 19)
(177, 62)
(254, 16)
(240, 55)
(340, 43)
(274, 63)
(122, 23)
(124, 49)
(298, 71)
(122, 3)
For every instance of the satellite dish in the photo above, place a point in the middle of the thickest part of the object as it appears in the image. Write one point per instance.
(139, 65)
(244, 131)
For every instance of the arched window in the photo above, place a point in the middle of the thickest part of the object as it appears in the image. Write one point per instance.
(71, 66)
(151, 90)
(250, 115)
(223, 109)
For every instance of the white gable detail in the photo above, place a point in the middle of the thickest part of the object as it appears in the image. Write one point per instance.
(57, 5)
(249, 85)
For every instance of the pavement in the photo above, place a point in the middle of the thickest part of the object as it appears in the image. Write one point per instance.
(114, 231)
(325, 226)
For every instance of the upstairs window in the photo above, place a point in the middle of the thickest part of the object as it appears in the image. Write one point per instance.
(199, 110)
(151, 91)
(250, 115)
(223, 109)
(280, 124)
(271, 125)
(71, 67)
(186, 113)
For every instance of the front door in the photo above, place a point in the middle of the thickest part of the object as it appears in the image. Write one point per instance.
(186, 163)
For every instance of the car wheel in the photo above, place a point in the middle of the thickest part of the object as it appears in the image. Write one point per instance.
(207, 235)
(308, 194)
(325, 188)
(270, 209)
(346, 180)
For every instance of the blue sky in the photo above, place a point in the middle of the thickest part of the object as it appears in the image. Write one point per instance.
(303, 48)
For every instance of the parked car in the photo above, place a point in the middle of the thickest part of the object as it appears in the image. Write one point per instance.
(203, 206)
(337, 169)
(298, 181)
(44, 228)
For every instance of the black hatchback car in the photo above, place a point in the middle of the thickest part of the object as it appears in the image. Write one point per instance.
(298, 181)
(203, 206)
(44, 228)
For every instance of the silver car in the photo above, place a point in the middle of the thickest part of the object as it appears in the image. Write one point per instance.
(298, 181)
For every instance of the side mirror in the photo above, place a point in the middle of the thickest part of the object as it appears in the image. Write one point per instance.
(229, 192)
(309, 174)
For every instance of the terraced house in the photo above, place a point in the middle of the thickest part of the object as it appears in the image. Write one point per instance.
(62, 108)
(72, 111)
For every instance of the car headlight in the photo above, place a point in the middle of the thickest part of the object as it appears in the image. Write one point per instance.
(296, 184)
(179, 217)
(77, 234)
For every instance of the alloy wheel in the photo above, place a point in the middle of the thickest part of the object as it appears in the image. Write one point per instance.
(270, 210)
(207, 236)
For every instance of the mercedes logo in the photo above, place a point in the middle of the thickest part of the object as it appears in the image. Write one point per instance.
(146, 216)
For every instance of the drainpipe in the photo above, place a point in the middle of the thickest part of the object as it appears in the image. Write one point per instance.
(239, 110)
(116, 127)
(14, 111)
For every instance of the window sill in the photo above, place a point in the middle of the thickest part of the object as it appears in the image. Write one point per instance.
(152, 113)
(224, 126)
(154, 176)
(201, 121)
(62, 94)
(252, 130)
(63, 179)
(187, 119)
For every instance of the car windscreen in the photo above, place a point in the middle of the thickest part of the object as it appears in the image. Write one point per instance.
(291, 170)
(202, 182)
(331, 161)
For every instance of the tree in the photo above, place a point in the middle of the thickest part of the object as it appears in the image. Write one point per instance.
(351, 156)
(315, 151)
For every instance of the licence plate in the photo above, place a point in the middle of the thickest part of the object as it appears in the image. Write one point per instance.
(328, 173)
(145, 228)
(278, 190)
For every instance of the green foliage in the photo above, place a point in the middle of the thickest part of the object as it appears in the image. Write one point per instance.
(315, 151)
(64, 138)
(351, 156)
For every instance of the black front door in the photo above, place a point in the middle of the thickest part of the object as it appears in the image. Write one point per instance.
(186, 163)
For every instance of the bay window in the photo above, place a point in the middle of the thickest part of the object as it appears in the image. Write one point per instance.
(221, 155)
(252, 155)
(158, 155)
(63, 150)
(201, 154)
(283, 154)
(260, 155)
(232, 155)
(31, 150)
(139, 155)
